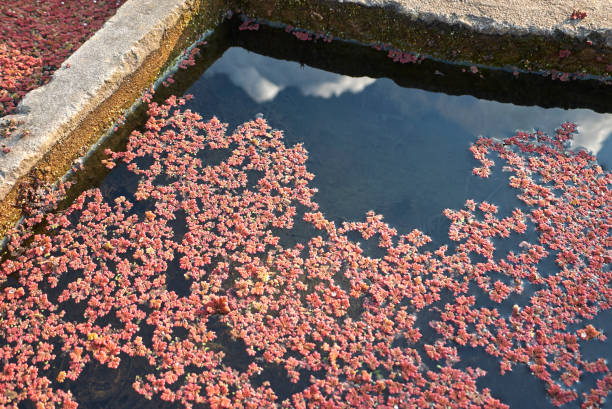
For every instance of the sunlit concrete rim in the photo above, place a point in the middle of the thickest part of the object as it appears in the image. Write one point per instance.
(91, 89)
(533, 17)
(88, 77)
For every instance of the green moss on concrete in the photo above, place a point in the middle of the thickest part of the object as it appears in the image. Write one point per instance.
(439, 40)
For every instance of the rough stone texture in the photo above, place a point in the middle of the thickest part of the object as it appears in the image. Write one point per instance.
(85, 80)
(537, 17)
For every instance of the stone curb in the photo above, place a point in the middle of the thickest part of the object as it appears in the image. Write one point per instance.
(516, 17)
(89, 76)
(89, 91)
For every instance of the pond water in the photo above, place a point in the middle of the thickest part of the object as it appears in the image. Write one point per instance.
(401, 152)
(375, 146)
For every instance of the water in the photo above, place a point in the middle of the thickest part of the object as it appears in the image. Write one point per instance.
(373, 145)
(402, 152)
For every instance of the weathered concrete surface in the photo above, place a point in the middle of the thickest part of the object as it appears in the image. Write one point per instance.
(520, 35)
(90, 90)
(536, 17)
(95, 72)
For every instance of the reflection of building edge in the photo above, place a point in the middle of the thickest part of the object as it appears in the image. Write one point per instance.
(263, 78)
(356, 60)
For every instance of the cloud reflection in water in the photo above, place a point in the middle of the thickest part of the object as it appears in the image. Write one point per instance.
(263, 78)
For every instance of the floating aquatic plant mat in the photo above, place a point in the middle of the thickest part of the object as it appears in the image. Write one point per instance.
(215, 275)
(95, 286)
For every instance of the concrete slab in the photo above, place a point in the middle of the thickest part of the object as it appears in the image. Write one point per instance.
(56, 123)
(516, 17)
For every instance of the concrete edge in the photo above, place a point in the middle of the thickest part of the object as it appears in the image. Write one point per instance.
(447, 30)
(57, 123)
(53, 110)
(479, 16)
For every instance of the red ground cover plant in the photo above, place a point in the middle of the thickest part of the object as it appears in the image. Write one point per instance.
(322, 309)
(38, 35)
(578, 15)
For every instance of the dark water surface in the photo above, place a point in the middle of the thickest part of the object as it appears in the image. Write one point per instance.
(402, 152)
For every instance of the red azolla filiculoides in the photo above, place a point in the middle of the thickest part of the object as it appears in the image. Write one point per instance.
(321, 309)
(37, 36)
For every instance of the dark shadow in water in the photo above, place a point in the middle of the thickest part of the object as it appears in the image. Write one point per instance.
(356, 60)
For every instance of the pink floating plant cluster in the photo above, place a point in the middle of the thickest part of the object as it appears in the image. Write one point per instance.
(249, 24)
(578, 15)
(402, 57)
(187, 60)
(322, 309)
(396, 55)
(571, 207)
(37, 36)
(307, 35)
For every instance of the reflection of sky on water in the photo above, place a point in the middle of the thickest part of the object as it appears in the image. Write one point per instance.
(262, 78)
(401, 152)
